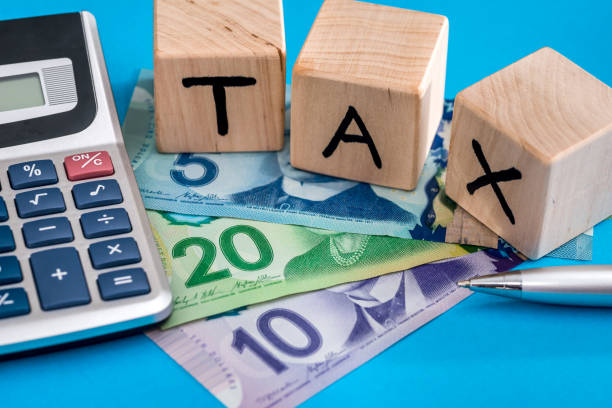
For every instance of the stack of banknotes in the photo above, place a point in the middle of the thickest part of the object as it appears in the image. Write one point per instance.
(284, 280)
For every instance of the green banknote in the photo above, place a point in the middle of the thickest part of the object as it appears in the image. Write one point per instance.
(220, 264)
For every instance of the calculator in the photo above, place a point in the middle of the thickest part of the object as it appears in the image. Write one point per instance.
(77, 255)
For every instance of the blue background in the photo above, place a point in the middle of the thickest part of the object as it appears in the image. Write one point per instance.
(484, 351)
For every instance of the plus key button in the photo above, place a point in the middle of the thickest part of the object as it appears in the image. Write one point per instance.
(83, 166)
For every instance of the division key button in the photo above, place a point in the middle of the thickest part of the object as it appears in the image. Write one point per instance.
(59, 278)
(13, 302)
(32, 174)
(106, 222)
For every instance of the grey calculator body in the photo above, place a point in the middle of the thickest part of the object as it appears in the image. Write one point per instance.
(75, 115)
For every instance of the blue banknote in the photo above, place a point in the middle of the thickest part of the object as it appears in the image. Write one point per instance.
(264, 186)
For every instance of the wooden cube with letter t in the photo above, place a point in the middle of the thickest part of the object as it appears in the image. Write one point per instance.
(530, 152)
(368, 92)
(219, 75)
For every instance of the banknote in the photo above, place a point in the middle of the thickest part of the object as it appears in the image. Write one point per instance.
(219, 264)
(264, 186)
(280, 353)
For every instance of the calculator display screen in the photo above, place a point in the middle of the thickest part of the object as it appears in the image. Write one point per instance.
(20, 91)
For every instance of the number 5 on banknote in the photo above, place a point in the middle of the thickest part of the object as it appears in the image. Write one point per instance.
(210, 170)
(201, 275)
(242, 338)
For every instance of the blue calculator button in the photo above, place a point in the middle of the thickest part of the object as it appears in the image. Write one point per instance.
(32, 174)
(39, 202)
(106, 222)
(10, 271)
(115, 252)
(3, 211)
(122, 284)
(13, 302)
(59, 278)
(96, 194)
(47, 232)
(7, 242)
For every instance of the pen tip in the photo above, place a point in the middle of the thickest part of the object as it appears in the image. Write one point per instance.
(463, 284)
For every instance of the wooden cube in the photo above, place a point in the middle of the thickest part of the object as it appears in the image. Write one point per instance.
(368, 92)
(219, 75)
(530, 152)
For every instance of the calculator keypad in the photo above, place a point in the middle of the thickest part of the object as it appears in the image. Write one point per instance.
(58, 273)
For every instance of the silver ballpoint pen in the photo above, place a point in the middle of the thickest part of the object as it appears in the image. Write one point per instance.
(579, 285)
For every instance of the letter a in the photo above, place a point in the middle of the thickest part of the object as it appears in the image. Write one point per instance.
(342, 136)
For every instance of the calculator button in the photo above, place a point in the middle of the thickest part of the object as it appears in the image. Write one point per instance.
(47, 232)
(59, 278)
(39, 202)
(3, 211)
(32, 174)
(115, 252)
(7, 243)
(83, 166)
(10, 271)
(122, 284)
(13, 302)
(96, 194)
(106, 222)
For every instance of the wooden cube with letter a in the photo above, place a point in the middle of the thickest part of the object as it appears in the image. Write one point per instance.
(530, 152)
(368, 92)
(219, 75)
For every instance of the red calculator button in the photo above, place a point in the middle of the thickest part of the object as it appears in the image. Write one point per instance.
(83, 166)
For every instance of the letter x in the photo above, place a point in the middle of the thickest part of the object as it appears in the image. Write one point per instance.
(492, 179)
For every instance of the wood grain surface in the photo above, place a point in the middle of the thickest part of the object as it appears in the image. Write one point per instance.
(389, 65)
(229, 38)
(550, 120)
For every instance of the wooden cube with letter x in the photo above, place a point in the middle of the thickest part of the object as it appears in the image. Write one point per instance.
(530, 152)
(219, 75)
(368, 92)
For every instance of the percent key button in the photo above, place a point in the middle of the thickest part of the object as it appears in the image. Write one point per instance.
(83, 166)
(32, 174)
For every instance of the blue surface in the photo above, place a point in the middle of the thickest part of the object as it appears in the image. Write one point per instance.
(542, 355)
